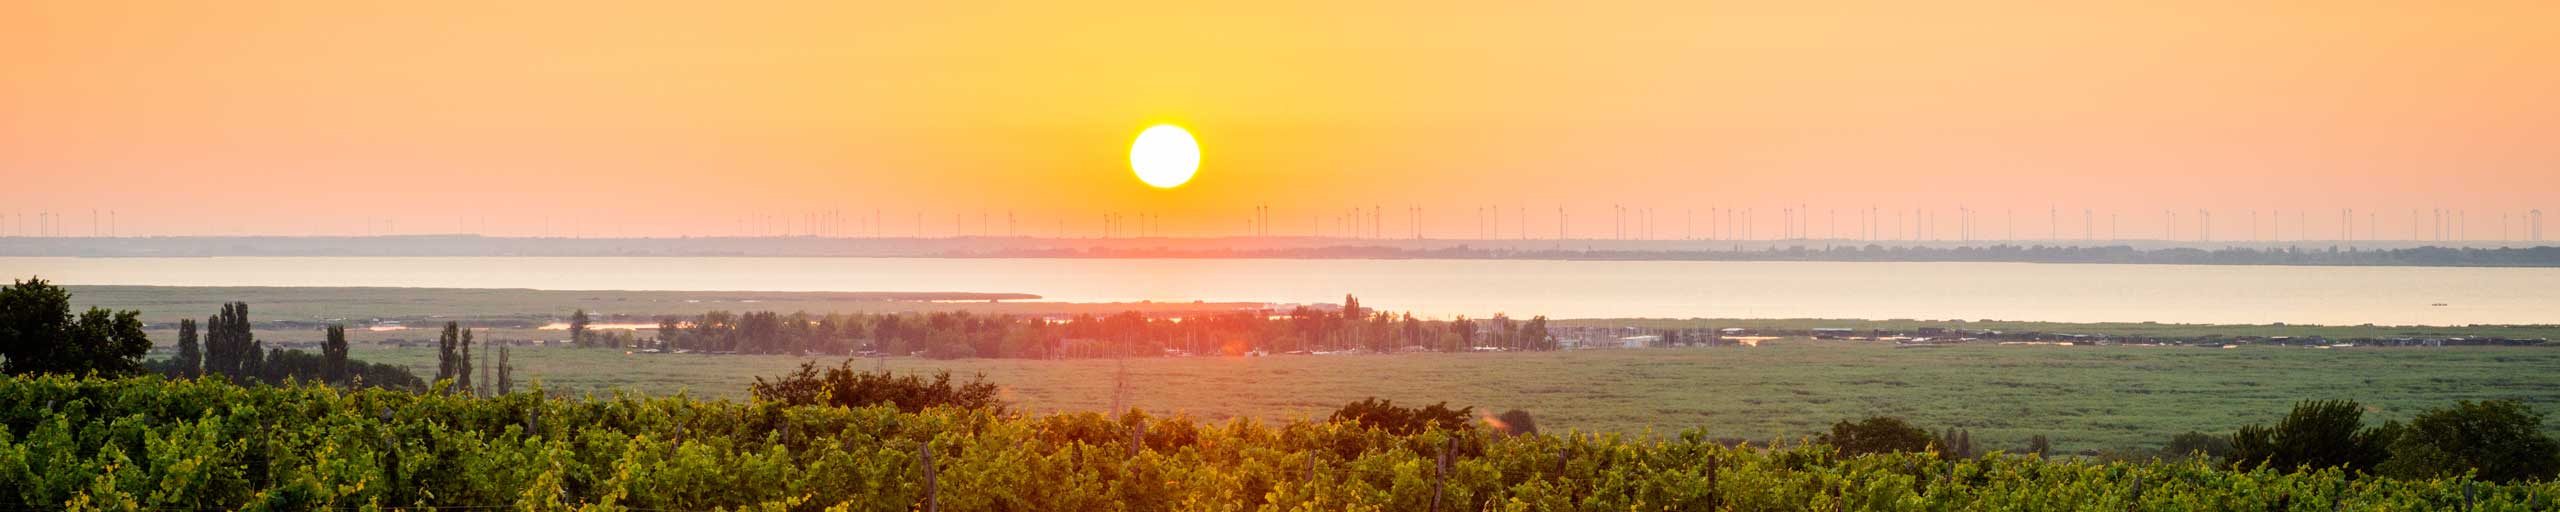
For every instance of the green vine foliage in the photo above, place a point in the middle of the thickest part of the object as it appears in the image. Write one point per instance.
(156, 444)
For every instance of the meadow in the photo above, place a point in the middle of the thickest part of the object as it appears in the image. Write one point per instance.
(2082, 398)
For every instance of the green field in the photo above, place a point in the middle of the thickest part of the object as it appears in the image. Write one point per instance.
(2122, 329)
(2083, 398)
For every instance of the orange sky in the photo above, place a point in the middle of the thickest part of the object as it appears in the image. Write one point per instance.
(322, 117)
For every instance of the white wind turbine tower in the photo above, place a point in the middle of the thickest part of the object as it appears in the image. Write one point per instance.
(2168, 225)
(2053, 223)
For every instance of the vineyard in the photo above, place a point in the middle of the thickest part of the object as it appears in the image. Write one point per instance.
(154, 444)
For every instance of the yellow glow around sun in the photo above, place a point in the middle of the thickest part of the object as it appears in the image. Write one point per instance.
(1165, 156)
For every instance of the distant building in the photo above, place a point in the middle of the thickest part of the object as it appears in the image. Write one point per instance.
(1639, 341)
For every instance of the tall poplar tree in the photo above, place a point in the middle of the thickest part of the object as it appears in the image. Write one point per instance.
(190, 360)
(333, 355)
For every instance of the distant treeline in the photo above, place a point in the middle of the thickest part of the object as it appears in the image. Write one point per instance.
(963, 334)
(40, 335)
(226, 348)
(1945, 336)
(2545, 256)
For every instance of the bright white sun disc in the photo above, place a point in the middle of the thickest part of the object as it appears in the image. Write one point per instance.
(1165, 156)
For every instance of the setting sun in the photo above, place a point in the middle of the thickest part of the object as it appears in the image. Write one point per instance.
(1164, 156)
(2160, 253)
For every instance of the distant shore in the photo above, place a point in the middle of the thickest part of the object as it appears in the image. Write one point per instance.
(2290, 252)
(294, 313)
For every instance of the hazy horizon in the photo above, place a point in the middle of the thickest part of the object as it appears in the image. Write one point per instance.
(317, 118)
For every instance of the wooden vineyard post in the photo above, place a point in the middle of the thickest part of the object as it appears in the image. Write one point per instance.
(1137, 437)
(2137, 494)
(1441, 481)
(932, 501)
(1713, 498)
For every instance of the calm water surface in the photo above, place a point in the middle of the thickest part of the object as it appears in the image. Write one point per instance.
(1562, 289)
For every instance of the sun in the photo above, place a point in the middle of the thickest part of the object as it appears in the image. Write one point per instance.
(1165, 156)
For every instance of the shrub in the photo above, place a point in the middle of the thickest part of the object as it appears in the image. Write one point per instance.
(845, 387)
(2197, 444)
(2318, 434)
(1385, 415)
(1515, 422)
(2502, 439)
(1877, 434)
(1956, 444)
(2038, 445)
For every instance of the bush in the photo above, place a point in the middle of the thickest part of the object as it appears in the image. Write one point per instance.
(1877, 434)
(1385, 415)
(2502, 439)
(1515, 422)
(2197, 444)
(2318, 434)
(844, 387)
(1956, 444)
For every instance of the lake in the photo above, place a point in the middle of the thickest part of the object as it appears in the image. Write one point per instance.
(1559, 289)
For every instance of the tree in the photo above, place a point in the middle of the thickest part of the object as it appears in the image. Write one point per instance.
(462, 378)
(449, 354)
(1877, 434)
(38, 334)
(2502, 439)
(253, 358)
(1466, 333)
(229, 347)
(333, 354)
(1537, 335)
(1350, 313)
(2318, 434)
(190, 360)
(506, 373)
(578, 328)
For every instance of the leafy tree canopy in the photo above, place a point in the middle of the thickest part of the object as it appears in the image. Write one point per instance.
(38, 334)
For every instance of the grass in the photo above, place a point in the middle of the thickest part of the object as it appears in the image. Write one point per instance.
(2081, 397)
